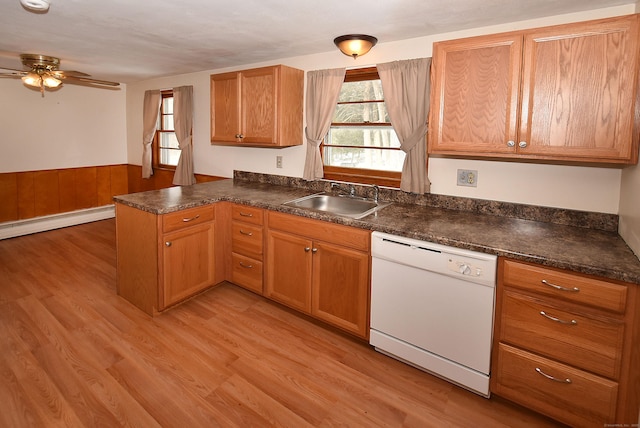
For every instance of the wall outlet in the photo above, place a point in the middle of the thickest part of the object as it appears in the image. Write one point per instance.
(278, 161)
(467, 177)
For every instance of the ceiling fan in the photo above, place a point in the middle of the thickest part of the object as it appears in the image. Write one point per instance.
(43, 73)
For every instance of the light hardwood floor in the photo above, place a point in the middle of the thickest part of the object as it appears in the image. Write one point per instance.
(72, 353)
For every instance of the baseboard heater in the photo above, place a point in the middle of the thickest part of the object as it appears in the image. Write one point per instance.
(56, 221)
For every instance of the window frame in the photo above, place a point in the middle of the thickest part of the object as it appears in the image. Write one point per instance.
(166, 93)
(360, 175)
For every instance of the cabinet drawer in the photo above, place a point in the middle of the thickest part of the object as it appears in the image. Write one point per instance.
(593, 344)
(246, 239)
(247, 214)
(338, 234)
(565, 285)
(187, 218)
(246, 272)
(572, 396)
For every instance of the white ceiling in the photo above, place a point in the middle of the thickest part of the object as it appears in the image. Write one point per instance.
(132, 40)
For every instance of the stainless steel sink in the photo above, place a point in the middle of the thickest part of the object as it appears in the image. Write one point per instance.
(343, 205)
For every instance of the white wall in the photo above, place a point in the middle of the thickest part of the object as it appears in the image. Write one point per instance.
(630, 203)
(73, 126)
(582, 188)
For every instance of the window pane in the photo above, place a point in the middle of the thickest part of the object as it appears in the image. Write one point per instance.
(366, 90)
(377, 136)
(357, 156)
(167, 105)
(169, 156)
(168, 140)
(380, 159)
(167, 122)
(361, 113)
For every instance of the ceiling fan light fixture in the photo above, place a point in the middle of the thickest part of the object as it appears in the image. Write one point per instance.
(32, 79)
(355, 45)
(38, 6)
(50, 82)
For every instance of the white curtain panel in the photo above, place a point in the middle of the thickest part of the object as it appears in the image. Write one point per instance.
(323, 88)
(183, 125)
(150, 110)
(406, 86)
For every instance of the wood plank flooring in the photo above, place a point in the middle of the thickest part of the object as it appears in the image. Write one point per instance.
(74, 354)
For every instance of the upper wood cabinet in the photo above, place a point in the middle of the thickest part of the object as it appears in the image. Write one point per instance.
(261, 107)
(562, 93)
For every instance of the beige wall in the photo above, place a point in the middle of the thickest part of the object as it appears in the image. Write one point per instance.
(629, 210)
(72, 127)
(582, 188)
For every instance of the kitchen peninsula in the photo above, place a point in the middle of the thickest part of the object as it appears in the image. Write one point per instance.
(174, 243)
(579, 241)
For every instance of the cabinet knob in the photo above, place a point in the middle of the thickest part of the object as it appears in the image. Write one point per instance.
(307, 249)
(239, 136)
(522, 144)
(167, 244)
(511, 143)
(315, 250)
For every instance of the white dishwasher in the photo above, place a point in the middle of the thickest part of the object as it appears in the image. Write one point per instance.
(432, 307)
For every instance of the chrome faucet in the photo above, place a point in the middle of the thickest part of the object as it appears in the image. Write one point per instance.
(351, 190)
(376, 193)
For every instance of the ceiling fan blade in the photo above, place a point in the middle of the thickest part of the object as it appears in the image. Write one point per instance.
(72, 73)
(13, 69)
(12, 75)
(86, 80)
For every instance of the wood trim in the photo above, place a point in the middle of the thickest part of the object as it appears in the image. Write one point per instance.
(29, 194)
(364, 176)
(161, 179)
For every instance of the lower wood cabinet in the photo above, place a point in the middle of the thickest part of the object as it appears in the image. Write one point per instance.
(321, 269)
(247, 241)
(164, 259)
(566, 344)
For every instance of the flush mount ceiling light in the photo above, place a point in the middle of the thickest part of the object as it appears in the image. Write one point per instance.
(38, 6)
(355, 45)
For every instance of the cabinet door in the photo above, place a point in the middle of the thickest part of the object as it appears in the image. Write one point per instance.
(474, 101)
(289, 264)
(225, 107)
(579, 90)
(341, 287)
(258, 100)
(187, 263)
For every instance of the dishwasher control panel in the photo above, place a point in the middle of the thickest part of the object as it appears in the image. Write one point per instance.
(463, 267)
(460, 263)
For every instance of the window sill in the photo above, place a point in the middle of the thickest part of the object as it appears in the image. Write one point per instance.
(363, 176)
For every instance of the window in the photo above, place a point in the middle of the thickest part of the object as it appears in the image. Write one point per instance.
(166, 151)
(361, 145)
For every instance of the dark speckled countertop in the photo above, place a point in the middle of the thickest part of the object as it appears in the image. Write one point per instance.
(578, 241)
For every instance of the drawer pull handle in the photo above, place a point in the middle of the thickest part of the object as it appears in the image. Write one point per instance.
(572, 322)
(246, 266)
(559, 287)
(567, 380)
(187, 220)
(246, 233)
(245, 214)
